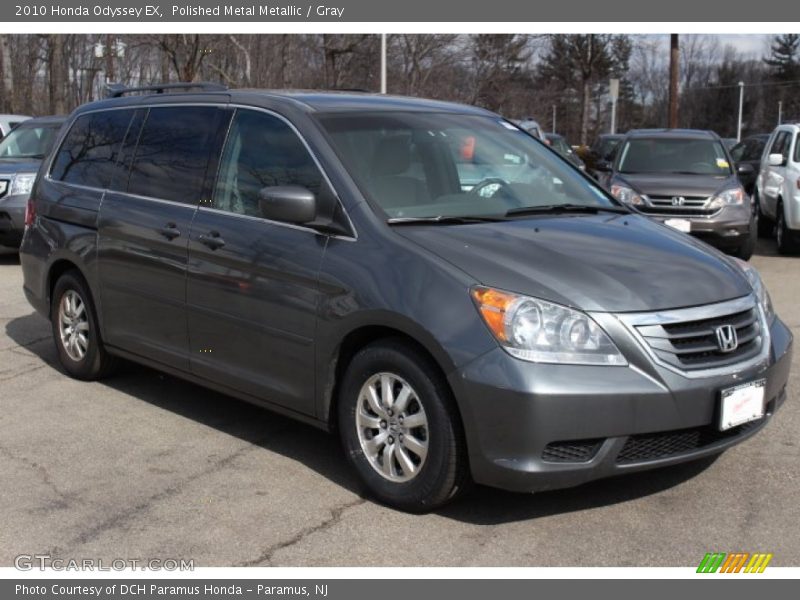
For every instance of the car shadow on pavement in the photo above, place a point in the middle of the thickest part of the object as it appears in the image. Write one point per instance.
(766, 247)
(8, 257)
(321, 452)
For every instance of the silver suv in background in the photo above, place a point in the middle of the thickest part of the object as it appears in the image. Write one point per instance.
(778, 186)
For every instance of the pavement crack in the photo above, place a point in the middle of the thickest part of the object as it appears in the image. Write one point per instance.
(19, 373)
(334, 518)
(63, 498)
(123, 517)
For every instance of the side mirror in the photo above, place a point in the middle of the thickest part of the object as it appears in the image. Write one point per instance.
(775, 160)
(288, 203)
(745, 169)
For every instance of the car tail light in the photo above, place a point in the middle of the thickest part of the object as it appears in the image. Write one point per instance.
(30, 212)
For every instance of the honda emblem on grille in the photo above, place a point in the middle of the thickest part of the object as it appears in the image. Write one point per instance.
(726, 338)
(678, 200)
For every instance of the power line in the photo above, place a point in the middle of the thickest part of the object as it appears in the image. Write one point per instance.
(736, 85)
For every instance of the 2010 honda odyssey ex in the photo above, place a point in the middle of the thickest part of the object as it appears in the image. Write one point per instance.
(455, 299)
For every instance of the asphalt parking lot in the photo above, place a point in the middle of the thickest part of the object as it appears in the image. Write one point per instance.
(144, 465)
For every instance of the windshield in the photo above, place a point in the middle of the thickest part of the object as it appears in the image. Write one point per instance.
(416, 165)
(560, 145)
(28, 142)
(674, 155)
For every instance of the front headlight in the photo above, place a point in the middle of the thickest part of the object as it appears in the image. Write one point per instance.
(540, 331)
(22, 183)
(627, 195)
(759, 289)
(730, 197)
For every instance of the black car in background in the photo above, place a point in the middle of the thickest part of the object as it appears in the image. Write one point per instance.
(746, 156)
(599, 156)
(559, 144)
(21, 154)
(686, 179)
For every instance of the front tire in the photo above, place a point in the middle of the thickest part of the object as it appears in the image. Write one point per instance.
(75, 330)
(785, 237)
(765, 224)
(400, 428)
(745, 251)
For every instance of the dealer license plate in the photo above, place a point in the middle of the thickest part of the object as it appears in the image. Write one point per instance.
(684, 225)
(741, 404)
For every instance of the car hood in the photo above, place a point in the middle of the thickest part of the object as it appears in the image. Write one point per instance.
(609, 263)
(19, 165)
(676, 184)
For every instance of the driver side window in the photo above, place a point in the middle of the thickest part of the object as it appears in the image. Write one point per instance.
(261, 151)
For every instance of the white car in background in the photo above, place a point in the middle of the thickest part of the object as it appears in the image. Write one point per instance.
(7, 122)
(778, 186)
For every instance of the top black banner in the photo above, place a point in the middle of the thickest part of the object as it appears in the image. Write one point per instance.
(464, 11)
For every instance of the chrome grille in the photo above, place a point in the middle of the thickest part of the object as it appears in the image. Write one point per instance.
(687, 339)
(686, 206)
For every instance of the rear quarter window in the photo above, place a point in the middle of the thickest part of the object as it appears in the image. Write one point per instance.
(89, 155)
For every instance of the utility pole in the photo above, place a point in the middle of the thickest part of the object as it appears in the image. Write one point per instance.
(741, 107)
(110, 50)
(554, 118)
(780, 111)
(383, 63)
(613, 91)
(674, 66)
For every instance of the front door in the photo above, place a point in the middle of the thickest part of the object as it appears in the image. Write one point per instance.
(252, 289)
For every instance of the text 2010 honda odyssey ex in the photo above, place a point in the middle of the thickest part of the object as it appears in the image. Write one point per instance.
(455, 299)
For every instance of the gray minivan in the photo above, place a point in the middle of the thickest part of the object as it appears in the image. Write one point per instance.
(454, 299)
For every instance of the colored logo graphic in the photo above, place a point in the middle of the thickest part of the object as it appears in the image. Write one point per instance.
(736, 562)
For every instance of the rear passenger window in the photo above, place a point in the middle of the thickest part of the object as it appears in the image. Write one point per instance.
(173, 153)
(262, 151)
(90, 152)
(797, 148)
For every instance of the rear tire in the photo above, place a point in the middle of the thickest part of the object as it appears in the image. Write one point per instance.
(785, 237)
(418, 467)
(75, 330)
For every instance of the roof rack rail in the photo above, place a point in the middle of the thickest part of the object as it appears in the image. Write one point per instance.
(117, 90)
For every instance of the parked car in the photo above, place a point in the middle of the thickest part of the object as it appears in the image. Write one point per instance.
(8, 122)
(600, 155)
(21, 153)
(560, 145)
(778, 186)
(685, 179)
(316, 253)
(729, 143)
(532, 127)
(746, 156)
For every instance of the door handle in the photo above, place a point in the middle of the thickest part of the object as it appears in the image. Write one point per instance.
(170, 231)
(212, 240)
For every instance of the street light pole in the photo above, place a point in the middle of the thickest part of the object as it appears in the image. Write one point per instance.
(780, 111)
(554, 118)
(741, 107)
(383, 63)
(613, 91)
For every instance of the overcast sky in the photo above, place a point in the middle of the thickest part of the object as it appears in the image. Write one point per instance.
(752, 45)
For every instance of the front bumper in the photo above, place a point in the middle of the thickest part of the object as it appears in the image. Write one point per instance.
(12, 220)
(630, 418)
(727, 229)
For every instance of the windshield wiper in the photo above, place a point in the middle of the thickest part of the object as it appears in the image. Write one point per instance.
(559, 208)
(443, 220)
